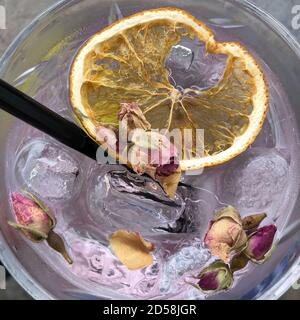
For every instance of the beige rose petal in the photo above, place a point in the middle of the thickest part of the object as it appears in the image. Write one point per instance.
(132, 249)
(221, 250)
(229, 212)
(170, 183)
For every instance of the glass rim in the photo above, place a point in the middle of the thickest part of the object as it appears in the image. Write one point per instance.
(8, 258)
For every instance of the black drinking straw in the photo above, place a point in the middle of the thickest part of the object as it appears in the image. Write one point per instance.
(35, 114)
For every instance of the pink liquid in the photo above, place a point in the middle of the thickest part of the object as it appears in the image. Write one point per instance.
(91, 201)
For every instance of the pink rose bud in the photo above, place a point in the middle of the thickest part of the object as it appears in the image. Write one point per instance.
(260, 243)
(106, 136)
(157, 147)
(152, 153)
(36, 222)
(32, 220)
(226, 234)
(146, 154)
(215, 277)
(167, 169)
(149, 152)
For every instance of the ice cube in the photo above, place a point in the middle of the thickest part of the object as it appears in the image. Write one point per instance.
(180, 57)
(255, 181)
(122, 199)
(201, 200)
(187, 259)
(47, 170)
(190, 65)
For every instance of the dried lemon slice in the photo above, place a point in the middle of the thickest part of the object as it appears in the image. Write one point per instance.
(126, 63)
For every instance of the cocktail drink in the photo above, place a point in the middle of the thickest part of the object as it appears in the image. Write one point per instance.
(92, 201)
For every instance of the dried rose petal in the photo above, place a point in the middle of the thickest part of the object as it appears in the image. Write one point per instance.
(226, 234)
(169, 183)
(215, 277)
(260, 243)
(36, 222)
(132, 249)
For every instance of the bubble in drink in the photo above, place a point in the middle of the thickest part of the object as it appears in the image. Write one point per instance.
(187, 259)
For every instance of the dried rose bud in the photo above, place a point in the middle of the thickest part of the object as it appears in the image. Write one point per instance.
(215, 277)
(166, 170)
(106, 136)
(157, 146)
(153, 154)
(253, 221)
(35, 221)
(132, 117)
(238, 262)
(260, 244)
(153, 150)
(149, 152)
(226, 234)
